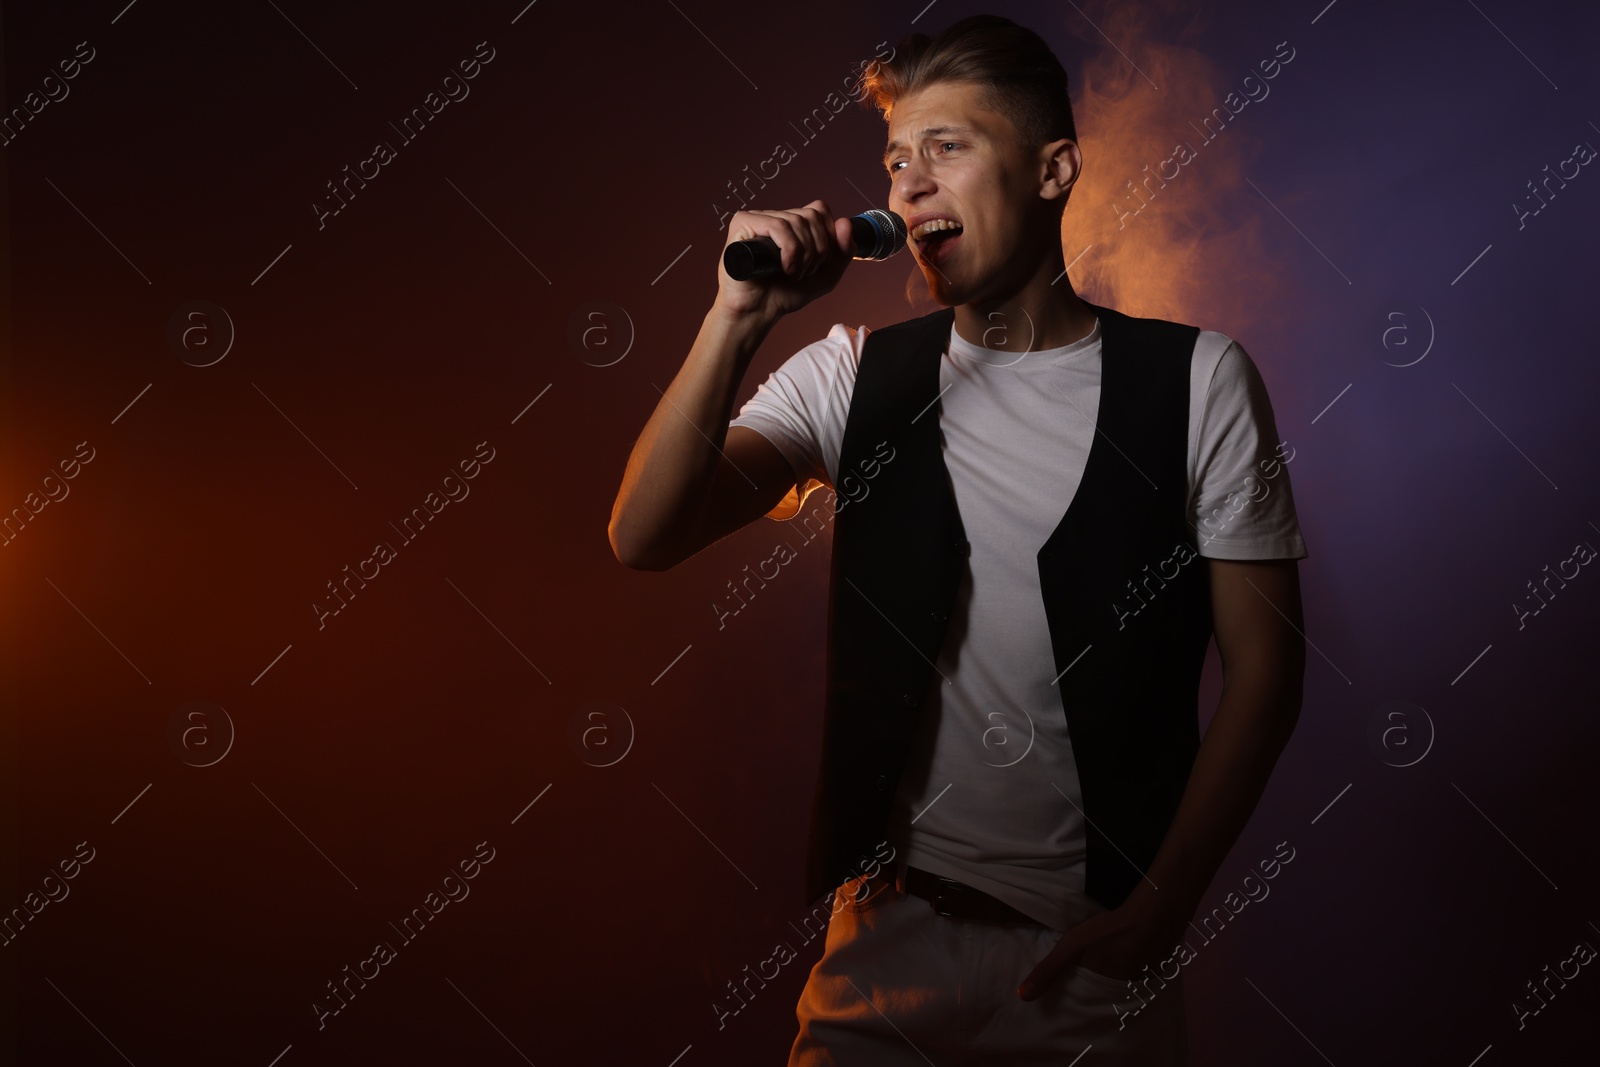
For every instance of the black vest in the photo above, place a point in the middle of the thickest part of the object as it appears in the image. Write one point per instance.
(1127, 600)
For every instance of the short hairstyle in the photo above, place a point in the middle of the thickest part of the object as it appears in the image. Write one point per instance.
(1020, 75)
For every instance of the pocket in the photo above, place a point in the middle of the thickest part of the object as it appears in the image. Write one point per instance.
(1118, 986)
(864, 894)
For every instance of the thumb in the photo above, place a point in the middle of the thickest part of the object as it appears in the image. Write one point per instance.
(841, 231)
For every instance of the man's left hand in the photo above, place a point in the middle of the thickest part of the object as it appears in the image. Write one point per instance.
(1117, 943)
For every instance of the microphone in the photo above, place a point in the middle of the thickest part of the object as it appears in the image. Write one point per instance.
(876, 234)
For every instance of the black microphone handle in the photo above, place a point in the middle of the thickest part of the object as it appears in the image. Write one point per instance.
(756, 258)
(760, 258)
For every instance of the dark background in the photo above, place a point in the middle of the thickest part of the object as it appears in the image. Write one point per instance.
(1438, 793)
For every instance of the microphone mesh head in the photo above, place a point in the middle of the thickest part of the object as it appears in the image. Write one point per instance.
(890, 230)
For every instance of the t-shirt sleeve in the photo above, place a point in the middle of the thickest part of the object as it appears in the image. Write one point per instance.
(801, 408)
(1242, 506)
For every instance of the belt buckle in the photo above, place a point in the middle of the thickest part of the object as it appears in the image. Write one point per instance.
(949, 890)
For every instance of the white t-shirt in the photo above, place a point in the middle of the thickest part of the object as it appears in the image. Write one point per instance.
(990, 792)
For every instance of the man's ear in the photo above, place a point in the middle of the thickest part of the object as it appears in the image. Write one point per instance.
(1060, 164)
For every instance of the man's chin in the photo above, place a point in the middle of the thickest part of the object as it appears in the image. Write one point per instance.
(937, 282)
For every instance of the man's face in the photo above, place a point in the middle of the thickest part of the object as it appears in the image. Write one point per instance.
(949, 158)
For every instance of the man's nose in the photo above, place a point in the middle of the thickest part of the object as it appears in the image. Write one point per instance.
(914, 181)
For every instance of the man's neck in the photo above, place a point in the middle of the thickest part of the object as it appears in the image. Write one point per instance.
(1040, 316)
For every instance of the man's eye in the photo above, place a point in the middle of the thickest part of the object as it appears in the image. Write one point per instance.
(894, 167)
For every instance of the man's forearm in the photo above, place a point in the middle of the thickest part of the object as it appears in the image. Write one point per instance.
(672, 462)
(1254, 719)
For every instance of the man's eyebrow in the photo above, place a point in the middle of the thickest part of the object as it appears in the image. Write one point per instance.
(931, 131)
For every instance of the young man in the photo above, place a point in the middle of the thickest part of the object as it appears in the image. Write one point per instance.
(1045, 510)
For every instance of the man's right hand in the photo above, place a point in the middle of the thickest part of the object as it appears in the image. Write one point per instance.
(815, 248)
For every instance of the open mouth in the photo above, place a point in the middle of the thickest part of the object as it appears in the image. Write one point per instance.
(937, 243)
(938, 247)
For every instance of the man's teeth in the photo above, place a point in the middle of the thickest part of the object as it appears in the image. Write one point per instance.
(933, 227)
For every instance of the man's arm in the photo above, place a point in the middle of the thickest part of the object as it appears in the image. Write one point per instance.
(1257, 621)
(1256, 615)
(691, 479)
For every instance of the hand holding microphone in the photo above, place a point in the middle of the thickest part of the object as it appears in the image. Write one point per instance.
(780, 261)
(874, 234)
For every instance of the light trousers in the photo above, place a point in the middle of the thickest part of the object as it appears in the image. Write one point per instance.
(899, 985)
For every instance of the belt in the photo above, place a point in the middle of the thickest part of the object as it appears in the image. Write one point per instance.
(961, 901)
